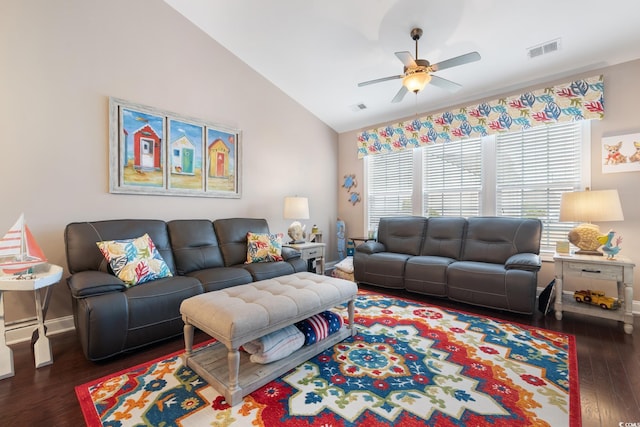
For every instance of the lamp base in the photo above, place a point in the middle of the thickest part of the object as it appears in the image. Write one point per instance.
(585, 252)
(296, 232)
(585, 237)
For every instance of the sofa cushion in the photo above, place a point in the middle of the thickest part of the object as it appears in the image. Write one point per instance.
(495, 239)
(444, 237)
(402, 235)
(153, 309)
(491, 285)
(81, 237)
(134, 261)
(195, 245)
(264, 247)
(232, 237)
(214, 279)
(427, 275)
(269, 270)
(384, 269)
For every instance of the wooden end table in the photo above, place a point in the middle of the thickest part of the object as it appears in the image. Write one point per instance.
(309, 251)
(619, 270)
(44, 277)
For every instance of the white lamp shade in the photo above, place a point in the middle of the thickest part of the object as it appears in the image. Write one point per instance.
(296, 208)
(589, 206)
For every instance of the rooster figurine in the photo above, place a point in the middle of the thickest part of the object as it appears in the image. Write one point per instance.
(608, 247)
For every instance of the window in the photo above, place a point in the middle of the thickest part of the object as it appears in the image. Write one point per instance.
(452, 178)
(520, 174)
(390, 186)
(533, 169)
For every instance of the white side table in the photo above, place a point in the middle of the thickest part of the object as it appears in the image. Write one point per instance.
(46, 275)
(309, 251)
(619, 270)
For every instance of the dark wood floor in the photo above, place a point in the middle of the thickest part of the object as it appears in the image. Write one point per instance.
(608, 365)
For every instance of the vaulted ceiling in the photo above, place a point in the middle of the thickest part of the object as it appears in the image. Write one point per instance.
(317, 51)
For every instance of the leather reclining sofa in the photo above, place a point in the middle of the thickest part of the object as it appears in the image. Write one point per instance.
(203, 256)
(486, 261)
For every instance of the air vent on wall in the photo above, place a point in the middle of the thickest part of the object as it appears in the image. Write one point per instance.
(543, 49)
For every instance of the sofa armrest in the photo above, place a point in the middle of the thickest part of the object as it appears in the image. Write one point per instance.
(371, 247)
(90, 282)
(523, 261)
(289, 253)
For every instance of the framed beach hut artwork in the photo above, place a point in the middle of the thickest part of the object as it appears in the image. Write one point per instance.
(223, 160)
(140, 148)
(186, 146)
(158, 152)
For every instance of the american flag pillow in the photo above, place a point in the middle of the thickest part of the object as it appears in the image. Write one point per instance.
(320, 326)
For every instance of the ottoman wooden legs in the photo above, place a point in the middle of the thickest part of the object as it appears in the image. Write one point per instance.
(232, 373)
(239, 314)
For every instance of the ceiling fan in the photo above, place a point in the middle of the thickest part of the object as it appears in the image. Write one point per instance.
(418, 72)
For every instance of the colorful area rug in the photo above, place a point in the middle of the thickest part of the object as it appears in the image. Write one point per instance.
(410, 364)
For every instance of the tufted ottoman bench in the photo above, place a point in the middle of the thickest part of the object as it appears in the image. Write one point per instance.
(239, 314)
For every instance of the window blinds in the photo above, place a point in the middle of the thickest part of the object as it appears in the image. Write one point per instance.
(389, 186)
(533, 168)
(452, 178)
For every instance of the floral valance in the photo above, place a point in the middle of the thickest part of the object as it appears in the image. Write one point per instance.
(577, 100)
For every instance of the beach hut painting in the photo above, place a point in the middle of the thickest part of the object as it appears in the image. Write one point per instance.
(142, 136)
(185, 155)
(221, 161)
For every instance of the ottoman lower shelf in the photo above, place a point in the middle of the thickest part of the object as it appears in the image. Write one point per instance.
(211, 363)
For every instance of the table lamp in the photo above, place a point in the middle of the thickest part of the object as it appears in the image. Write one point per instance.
(586, 206)
(296, 208)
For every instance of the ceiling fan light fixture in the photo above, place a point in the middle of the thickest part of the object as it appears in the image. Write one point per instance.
(415, 82)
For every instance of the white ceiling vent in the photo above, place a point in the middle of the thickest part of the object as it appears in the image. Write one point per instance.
(358, 107)
(543, 49)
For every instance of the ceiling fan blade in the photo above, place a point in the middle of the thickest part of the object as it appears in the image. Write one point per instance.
(445, 84)
(401, 93)
(458, 60)
(406, 58)
(383, 79)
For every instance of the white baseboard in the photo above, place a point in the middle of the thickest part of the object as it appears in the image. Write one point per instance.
(22, 331)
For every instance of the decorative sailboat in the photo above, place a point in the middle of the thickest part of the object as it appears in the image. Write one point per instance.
(18, 249)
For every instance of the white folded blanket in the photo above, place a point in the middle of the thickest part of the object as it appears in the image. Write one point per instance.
(346, 265)
(276, 345)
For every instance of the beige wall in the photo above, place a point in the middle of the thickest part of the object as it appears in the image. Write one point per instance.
(621, 94)
(59, 63)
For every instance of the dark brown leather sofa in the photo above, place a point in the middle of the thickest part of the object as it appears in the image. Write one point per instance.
(202, 255)
(487, 261)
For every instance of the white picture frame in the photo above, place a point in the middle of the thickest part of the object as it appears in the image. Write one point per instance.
(157, 152)
(621, 153)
